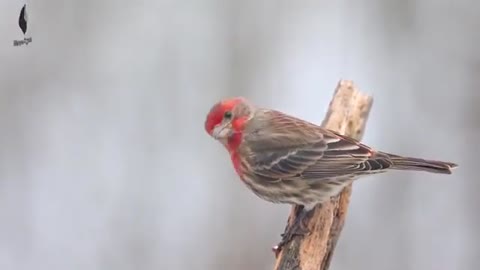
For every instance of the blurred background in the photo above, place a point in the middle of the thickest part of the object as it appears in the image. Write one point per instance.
(104, 163)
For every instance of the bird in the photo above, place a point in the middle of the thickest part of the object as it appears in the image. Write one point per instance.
(286, 160)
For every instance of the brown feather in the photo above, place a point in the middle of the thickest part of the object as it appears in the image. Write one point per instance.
(277, 145)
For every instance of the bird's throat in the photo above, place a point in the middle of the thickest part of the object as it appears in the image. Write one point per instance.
(236, 163)
(233, 143)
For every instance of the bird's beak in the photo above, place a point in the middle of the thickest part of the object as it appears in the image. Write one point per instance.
(221, 132)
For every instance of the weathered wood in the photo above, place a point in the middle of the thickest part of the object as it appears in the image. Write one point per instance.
(348, 113)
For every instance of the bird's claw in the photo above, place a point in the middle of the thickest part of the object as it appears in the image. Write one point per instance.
(299, 232)
(288, 236)
(298, 228)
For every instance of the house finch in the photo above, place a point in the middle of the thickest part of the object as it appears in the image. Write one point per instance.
(283, 159)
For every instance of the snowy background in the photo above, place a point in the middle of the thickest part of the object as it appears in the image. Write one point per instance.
(104, 163)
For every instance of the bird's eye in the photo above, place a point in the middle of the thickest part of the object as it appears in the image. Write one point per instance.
(227, 115)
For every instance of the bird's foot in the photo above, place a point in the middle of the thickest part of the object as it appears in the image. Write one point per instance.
(298, 228)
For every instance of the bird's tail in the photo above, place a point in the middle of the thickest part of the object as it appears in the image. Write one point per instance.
(418, 164)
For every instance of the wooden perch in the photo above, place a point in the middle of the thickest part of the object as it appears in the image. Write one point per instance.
(347, 113)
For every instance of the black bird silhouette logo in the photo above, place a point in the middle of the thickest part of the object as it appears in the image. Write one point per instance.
(22, 22)
(22, 19)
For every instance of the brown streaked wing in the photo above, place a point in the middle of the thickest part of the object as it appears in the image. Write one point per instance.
(289, 148)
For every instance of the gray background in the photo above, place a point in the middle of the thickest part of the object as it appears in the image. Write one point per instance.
(104, 163)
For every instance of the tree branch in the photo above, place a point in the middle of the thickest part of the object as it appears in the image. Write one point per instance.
(347, 114)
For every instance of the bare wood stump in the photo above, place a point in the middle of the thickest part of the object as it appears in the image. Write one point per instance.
(347, 114)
